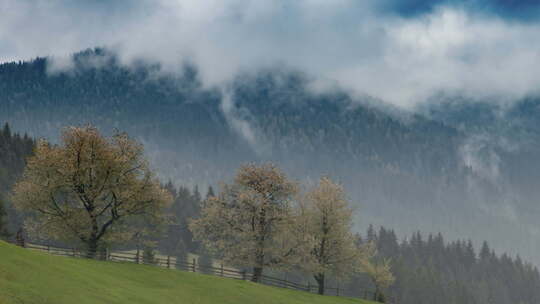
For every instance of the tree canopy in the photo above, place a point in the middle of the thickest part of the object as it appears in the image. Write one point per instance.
(246, 221)
(89, 187)
(326, 218)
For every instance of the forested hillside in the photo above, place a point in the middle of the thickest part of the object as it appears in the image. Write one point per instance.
(429, 269)
(428, 169)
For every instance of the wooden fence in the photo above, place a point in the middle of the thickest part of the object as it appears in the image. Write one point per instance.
(193, 266)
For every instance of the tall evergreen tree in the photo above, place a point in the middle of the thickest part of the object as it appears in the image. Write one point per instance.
(371, 234)
(485, 252)
(196, 195)
(4, 233)
(210, 193)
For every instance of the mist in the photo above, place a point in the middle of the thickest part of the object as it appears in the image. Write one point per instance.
(398, 52)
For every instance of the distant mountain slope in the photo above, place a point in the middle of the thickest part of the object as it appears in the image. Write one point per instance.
(271, 114)
(501, 146)
(422, 171)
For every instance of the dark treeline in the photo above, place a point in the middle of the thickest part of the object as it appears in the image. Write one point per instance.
(14, 148)
(431, 271)
(178, 239)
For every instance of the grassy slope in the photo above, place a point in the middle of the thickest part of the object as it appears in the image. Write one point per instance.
(33, 277)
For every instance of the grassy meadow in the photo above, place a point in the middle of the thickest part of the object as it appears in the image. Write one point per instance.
(28, 277)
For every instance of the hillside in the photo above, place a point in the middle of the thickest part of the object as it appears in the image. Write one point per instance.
(31, 277)
(431, 170)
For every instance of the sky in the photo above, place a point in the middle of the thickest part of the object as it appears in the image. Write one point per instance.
(401, 51)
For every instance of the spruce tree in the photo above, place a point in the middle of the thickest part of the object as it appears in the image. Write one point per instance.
(4, 234)
(196, 195)
(371, 234)
(210, 193)
(485, 252)
(6, 131)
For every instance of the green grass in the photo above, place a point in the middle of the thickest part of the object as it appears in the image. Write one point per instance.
(33, 277)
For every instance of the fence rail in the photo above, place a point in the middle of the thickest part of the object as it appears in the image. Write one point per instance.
(194, 266)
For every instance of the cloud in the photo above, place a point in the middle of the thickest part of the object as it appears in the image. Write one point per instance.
(364, 46)
(521, 11)
(238, 119)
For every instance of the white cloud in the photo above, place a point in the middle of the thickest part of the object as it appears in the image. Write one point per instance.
(399, 60)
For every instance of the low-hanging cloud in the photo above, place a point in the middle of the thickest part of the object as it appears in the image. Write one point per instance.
(401, 58)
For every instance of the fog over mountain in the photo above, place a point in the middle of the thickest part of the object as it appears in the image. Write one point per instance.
(464, 167)
(401, 51)
(427, 111)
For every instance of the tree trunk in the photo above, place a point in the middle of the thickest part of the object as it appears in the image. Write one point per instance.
(257, 273)
(92, 242)
(92, 245)
(320, 282)
(259, 251)
(377, 297)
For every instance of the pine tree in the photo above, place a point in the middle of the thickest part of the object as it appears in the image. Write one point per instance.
(6, 132)
(485, 252)
(170, 187)
(196, 195)
(210, 192)
(470, 255)
(371, 234)
(4, 233)
(14, 149)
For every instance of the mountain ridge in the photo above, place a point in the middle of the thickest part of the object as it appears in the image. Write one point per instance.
(419, 169)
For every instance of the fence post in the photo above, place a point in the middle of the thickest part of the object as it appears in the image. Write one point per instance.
(309, 286)
(137, 258)
(194, 265)
(19, 238)
(168, 261)
(48, 248)
(337, 289)
(243, 275)
(221, 269)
